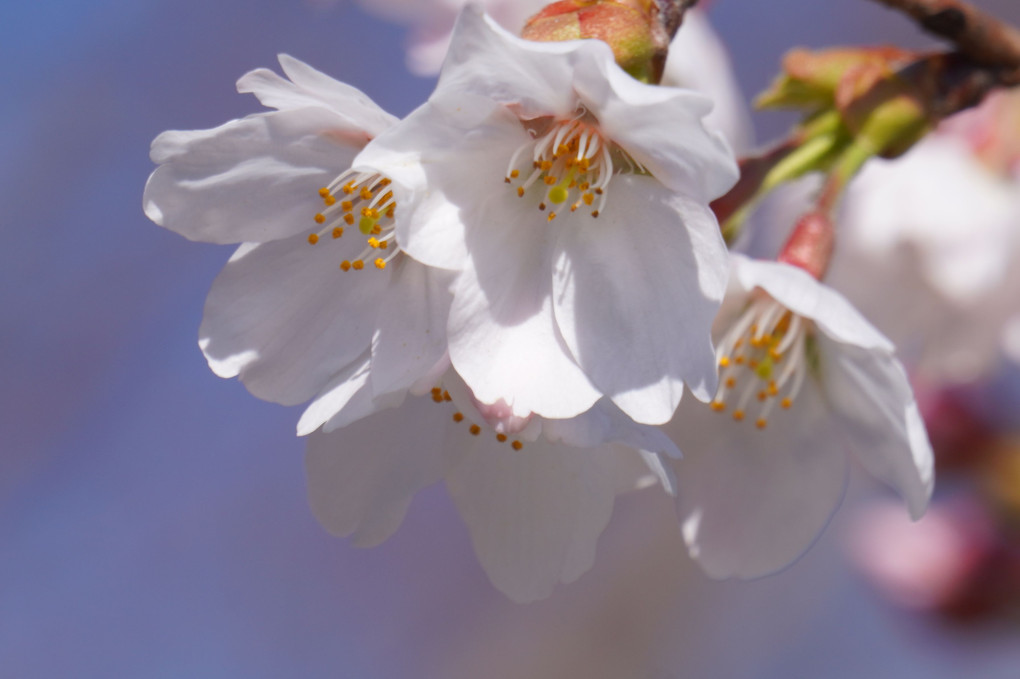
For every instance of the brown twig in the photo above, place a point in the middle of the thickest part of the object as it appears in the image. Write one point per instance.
(983, 38)
(666, 16)
(671, 14)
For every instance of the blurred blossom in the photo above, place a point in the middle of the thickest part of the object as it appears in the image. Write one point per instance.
(804, 380)
(936, 232)
(936, 564)
(573, 201)
(535, 493)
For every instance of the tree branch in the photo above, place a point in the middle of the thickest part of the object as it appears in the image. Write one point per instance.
(671, 14)
(983, 38)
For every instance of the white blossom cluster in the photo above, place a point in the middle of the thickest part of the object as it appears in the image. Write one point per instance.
(510, 290)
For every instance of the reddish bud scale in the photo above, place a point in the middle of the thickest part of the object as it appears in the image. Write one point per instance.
(810, 245)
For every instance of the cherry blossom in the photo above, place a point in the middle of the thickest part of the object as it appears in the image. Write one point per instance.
(573, 202)
(805, 379)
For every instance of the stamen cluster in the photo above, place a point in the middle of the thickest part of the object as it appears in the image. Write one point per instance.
(765, 355)
(363, 200)
(572, 162)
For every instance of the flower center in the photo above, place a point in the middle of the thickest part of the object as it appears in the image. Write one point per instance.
(440, 395)
(360, 198)
(763, 359)
(570, 164)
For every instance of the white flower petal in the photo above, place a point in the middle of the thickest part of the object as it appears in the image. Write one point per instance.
(348, 392)
(254, 179)
(410, 336)
(751, 501)
(798, 291)
(443, 159)
(361, 478)
(486, 60)
(635, 293)
(534, 515)
(871, 397)
(660, 127)
(310, 87)
(503, 339)
(284, 317)
(605, 423)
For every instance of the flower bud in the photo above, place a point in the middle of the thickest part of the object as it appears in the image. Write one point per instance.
(810, 80)
(625, 25)
(810, 245)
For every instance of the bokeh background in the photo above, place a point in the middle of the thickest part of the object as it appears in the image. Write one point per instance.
(153, 520)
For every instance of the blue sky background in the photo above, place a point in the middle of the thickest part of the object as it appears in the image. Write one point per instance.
(153, 520)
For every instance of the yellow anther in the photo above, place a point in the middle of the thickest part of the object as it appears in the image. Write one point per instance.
(584, 186)
(731, 382)
(763, 395)
(552, 216)
(313, 238)
(724, 361)
(516, 445)
(501, 438)
(546, 165)
(347, 205)
(773, 389)
(380, 263)
(345, 265)
(349, 218)
(370, 213)
(358, 265)
(458, 417)
(320, 218)
(514, 174)
(391, 211)
(786, 402)
(520, 191)
(761, 423)
(475, 430)
(738, 415)
(373, 242)
(385, 182)
(384, 244)
(435, 391)
(775, 355)
(446, 396)
(365, 193)
(562, 149)
(550, 180)
(338, 231)
(718, 406)
(324, 192)
(329, 200)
